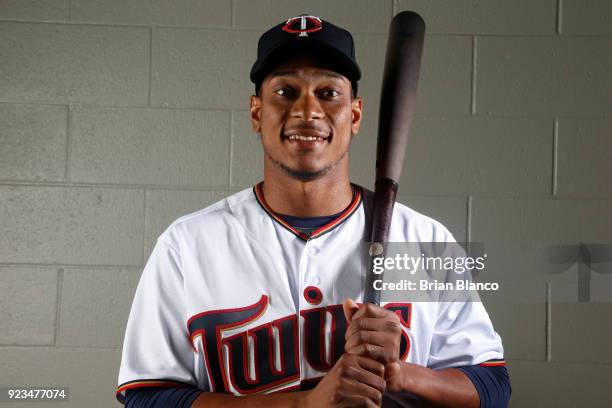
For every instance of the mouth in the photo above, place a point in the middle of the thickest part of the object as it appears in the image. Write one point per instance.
(308, 136)
(305, 138)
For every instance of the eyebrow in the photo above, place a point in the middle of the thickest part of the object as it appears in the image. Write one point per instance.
(294, 73)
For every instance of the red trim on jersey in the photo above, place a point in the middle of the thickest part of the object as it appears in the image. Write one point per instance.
(245, 358)
(258, 190)
(324, 366)
(406, 323)
(333, 358)
(261, 305)
(147, 383)
(493, 363)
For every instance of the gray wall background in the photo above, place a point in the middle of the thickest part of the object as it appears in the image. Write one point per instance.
(116, 117)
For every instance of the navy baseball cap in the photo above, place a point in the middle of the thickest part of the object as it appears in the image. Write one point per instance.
(306, 34)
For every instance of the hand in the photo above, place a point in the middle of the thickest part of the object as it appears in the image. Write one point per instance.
(353, 381)
(375, 333)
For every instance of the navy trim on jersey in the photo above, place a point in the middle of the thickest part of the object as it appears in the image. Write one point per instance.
(492, 384)
(161, 397)
(150, 383)
(343, 216)
(309, 222)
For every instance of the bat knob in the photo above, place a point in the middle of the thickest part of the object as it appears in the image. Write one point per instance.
(376, 249)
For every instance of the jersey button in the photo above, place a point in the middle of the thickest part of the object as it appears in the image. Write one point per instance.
(312, 251)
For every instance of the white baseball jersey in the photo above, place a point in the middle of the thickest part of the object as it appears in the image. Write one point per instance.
(233, 299)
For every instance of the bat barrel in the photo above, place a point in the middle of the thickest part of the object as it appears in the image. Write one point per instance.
(398, 95)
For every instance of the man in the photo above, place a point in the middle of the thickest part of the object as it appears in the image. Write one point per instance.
(257, 295)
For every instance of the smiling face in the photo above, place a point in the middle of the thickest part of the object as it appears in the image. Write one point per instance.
(306, 116)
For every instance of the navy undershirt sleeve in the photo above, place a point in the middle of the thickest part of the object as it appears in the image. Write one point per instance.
(492, 384)
(158, 397)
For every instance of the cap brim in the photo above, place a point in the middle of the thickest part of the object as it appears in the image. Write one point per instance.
(330, 56)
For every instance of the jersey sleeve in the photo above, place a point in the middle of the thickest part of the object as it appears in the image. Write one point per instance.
(463, 333)
(157, 351)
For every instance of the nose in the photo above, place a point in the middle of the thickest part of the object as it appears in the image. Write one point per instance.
(307, 107)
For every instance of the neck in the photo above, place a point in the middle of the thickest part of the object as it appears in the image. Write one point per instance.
(326, 196)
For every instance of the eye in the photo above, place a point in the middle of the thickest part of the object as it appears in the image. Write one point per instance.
(329, 93)
(284, 91)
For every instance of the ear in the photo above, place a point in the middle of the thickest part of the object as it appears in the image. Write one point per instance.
(256, 113)
(356, 110)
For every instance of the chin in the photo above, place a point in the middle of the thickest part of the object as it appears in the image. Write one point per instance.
(305, 174)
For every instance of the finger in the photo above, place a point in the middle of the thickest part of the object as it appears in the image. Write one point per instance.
(349, 307)
(377, 338)
(380, 354)
(363, 376)
(371, 310)
(356, 390)
(385, 325)
(357, 401)
(372, 366)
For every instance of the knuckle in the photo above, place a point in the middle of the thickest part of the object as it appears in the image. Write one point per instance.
(370, 308)
(390, 356)
(361, 401)
(349, 360)
(381, 386)
(394, 316)
(377, 396)
(337, 397)
(393, 326)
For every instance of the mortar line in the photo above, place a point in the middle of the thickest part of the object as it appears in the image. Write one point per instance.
(65, 266)
(68, 143)
(76, 104)
(150, 64)
(58, 307)
(69, 10)
(548, 323)
(56, 184)
(231, 150)
(559, 16)
(473, 78)
(468, 229)
(393, 8)
(144, 227)
(555, 158)
(257, 32)
(59, 347)
(232, 17)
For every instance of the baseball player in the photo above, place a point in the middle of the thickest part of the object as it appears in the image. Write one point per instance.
(257, 299)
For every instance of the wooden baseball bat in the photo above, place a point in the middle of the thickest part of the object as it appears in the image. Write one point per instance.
(399, 85)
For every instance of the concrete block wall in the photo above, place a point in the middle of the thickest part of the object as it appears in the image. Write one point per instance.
(117, 117)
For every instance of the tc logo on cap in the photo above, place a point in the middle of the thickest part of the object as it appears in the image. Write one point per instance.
(303, 25)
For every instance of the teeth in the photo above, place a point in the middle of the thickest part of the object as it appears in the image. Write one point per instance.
(306, 138)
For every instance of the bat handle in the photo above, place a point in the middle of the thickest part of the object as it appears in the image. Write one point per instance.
(384, 200)
(371, 295)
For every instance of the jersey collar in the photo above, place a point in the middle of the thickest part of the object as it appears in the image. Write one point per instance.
(353, 206)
